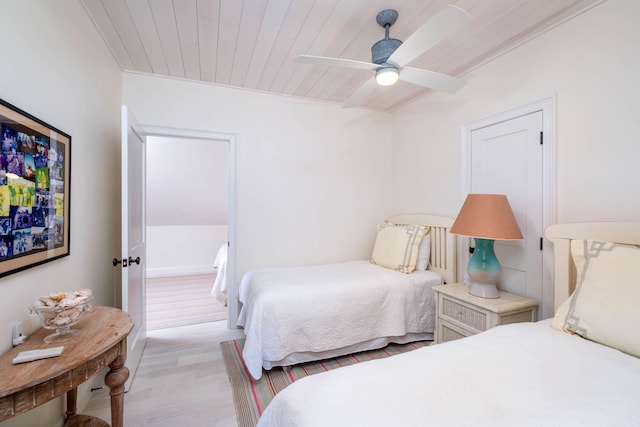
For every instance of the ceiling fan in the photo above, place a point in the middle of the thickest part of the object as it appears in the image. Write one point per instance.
(389, 56)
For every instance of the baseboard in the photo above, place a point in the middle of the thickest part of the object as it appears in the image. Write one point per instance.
(180, 270)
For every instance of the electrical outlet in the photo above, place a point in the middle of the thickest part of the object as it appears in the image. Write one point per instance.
(17, 334)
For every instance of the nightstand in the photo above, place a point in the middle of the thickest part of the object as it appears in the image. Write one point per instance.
(460, 314)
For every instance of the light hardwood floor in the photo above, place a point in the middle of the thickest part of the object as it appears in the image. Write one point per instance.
(182, 300)
(181, 381)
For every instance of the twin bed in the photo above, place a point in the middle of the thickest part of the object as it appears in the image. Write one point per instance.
(581, 368)
(299, 314)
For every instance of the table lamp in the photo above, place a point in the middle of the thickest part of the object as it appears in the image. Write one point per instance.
(486, 218)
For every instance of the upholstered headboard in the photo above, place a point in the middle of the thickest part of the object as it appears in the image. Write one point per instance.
(562, 234)
(443, 243)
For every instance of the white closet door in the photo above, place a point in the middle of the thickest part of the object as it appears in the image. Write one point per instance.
(507, 158)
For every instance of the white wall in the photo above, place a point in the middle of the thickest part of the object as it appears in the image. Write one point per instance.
(313, 179)
(183, 249)
(591, 65)
(186, 181)
(55, 67)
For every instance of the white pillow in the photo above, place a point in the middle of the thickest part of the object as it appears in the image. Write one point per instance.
(396, 246)
(424, 252)
(604, 306)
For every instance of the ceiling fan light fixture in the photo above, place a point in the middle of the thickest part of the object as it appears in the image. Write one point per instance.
(387, 76)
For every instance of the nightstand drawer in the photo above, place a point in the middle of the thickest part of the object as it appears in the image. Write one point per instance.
(448, 332)
(460, 314)
(528, 315)
(455, 311)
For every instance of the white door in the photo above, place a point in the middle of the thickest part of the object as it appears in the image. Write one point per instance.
(507, 158)
(133, 236)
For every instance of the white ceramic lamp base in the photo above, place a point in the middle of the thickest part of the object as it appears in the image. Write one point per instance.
(484, 290)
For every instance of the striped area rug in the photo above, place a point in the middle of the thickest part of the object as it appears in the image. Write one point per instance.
(251, 397)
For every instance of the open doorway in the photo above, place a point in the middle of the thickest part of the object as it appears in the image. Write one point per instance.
(187, 229)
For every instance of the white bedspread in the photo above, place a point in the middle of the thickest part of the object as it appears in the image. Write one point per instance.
(318, 308)
(523, 374)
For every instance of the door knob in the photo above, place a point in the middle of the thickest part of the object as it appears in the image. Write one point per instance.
(126, 262)
(117, 261)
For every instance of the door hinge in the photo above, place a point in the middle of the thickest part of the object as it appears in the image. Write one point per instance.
(541, 243)
(541, 138)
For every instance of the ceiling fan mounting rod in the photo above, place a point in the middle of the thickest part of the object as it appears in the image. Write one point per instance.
(382, 49)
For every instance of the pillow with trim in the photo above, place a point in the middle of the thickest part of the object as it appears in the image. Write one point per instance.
(396, 246)
(604, 306)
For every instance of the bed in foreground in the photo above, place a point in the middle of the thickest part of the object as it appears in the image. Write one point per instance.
(299, 314)
(525, 374)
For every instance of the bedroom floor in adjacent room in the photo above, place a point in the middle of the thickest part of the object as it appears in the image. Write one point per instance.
(181, 381)
(182, 300)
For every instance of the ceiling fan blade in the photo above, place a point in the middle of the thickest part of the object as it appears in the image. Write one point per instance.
(431, 79)
(336, 62)
(361, 93)
(429, 34)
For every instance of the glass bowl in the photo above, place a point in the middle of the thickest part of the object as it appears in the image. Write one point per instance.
(60, 319)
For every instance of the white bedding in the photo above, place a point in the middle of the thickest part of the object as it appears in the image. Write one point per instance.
(219, 290)
(524, 374)
(325, 307)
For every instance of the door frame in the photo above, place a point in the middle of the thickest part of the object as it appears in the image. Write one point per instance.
(548, 107)
(230, 138)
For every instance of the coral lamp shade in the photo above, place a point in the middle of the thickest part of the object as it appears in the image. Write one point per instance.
(487, 216)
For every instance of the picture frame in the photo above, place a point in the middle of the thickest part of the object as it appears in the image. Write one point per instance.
(35, 188)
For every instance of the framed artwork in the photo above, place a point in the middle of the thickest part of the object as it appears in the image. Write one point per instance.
(35, 172)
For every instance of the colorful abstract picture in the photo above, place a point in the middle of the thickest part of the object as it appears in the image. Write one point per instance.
(34, 191)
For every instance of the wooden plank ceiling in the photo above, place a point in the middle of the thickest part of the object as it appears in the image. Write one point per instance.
(252, 44)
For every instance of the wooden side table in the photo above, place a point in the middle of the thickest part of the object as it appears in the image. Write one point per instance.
(460, 314)
(102, 342)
